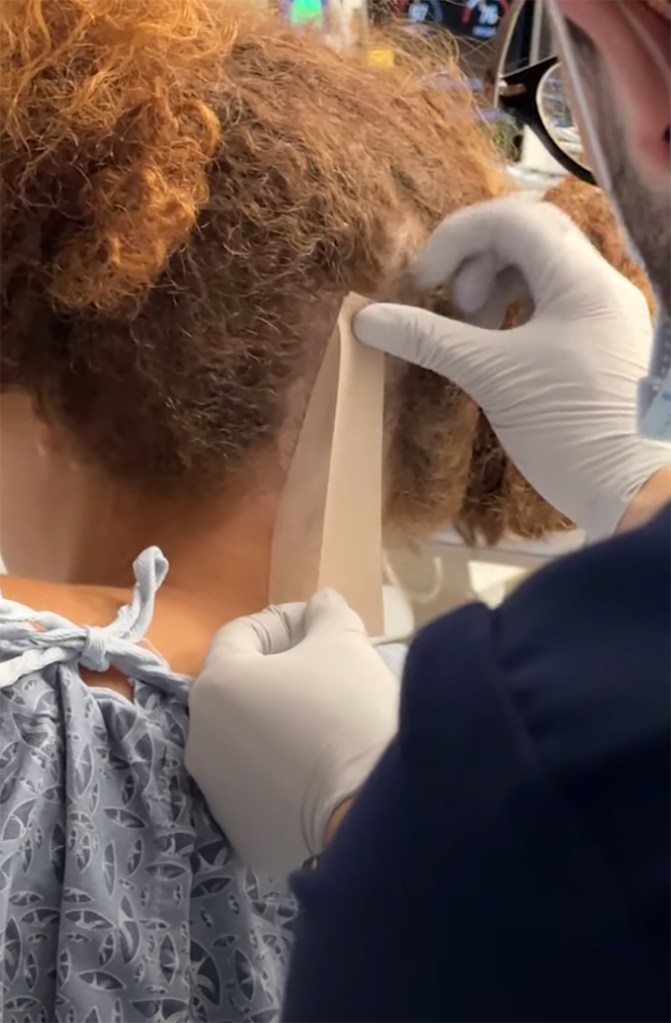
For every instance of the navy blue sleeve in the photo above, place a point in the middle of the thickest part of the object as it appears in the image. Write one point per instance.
(509, 857)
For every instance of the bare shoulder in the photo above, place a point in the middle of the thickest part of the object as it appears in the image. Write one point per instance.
(82, 605)
(180, 631)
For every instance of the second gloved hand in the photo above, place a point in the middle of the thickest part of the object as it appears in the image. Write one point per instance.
(291, 712)
(560, 391)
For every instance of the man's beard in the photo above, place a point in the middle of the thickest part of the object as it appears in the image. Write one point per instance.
(646, 215)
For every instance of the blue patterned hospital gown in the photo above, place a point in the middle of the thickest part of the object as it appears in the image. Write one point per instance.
(120, 898)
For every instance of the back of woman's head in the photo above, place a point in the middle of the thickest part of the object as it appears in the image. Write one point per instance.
(188, 192)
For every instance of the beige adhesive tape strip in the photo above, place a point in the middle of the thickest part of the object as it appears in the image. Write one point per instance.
(328, 530)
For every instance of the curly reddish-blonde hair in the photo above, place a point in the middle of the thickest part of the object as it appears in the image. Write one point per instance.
(188, 191)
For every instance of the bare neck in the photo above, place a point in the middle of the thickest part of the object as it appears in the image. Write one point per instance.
(218, 549)
(219, 567)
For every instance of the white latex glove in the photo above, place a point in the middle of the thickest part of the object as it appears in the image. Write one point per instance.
(560, 391)
(287, 719)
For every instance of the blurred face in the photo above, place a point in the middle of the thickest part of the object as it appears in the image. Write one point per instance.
(623, 53)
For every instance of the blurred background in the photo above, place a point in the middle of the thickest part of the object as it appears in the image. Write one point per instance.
(470, 25)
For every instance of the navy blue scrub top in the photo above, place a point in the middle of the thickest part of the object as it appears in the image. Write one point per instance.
(509, 857)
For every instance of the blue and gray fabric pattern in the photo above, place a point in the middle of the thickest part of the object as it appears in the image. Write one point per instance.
(120, 898)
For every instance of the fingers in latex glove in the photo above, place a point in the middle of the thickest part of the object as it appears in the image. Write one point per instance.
(485, 293)
(559, 390)
(288, 717)
(537, 238)
(281, 627)
(272, 631)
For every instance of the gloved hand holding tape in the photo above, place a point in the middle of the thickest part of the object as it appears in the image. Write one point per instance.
(561, 390)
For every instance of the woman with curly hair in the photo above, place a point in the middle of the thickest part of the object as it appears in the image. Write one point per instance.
(188, 193)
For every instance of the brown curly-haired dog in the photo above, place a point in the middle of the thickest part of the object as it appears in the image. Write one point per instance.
(188, 192)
